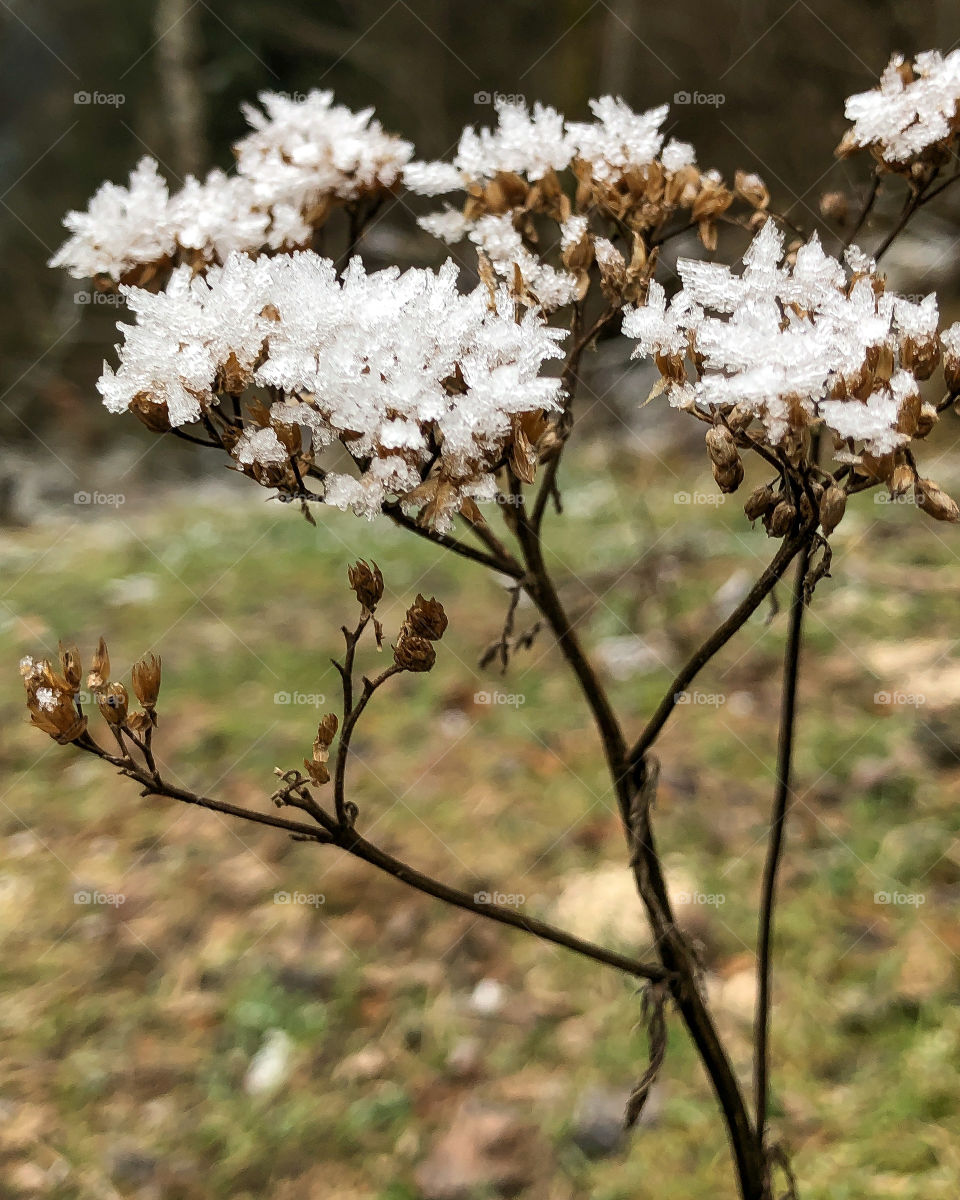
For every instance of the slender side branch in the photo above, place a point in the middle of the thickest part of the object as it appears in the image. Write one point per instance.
(775, 846)
(350, 841)
(786, 552)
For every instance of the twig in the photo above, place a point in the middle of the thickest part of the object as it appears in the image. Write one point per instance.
(787, 551)
(350, 841)
(775, 846)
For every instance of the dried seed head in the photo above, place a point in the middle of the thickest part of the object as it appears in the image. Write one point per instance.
(145, 678)
(902, 480)
(100, 668)
(426, 619)
(752, 188)
(721, 447)
(729, 477)
(367, 584)
(920, 355)
(317, 771)
(740, 417)
(113, 702)
(53, 711)
(951, 366)
(70, 667)
(760, 501)
(835, 207)
(327, 729)
(935, 502)
(926, 421)
(833, 504)
(413, 653)
(781, 520)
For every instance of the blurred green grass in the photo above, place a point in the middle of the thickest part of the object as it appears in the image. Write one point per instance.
(129, 1028)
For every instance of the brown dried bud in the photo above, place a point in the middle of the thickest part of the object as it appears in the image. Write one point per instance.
(920, 356)
(835, 207)
(833, 504)
(70, 667)
(902, 480)
(113, 702)
(52, 710)
(367, 583)
(752, 189)
(935, 502)
(721, 447)
(760, 501)
(99, 675)
(412, 653)
(317, 771)
(740, 417)
(951, 368)
(327, 729)
(729, 477)
(145, 678)
(426, 619)
(781, 520)
(926, 421)
(150, 412)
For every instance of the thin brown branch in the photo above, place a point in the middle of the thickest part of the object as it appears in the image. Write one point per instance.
(352, 843)
(786, 552)
(775, 846)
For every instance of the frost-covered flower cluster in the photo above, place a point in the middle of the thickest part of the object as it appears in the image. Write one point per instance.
(301, 159)
(783, 347)
(623, 167)
(912, 114)
(426, 388)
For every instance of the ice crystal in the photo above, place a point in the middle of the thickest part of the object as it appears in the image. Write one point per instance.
(302, 156)
(402, 368)
(913, 109)
(793, 344)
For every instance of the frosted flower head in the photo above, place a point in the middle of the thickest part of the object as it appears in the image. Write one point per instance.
(912, 114)
(620, 140)
(122, 228)
(619, 168)
(779, 347)
(421, 384)
(522, 143)
(303, 157)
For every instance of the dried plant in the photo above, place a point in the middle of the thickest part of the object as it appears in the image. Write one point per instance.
(249, 342)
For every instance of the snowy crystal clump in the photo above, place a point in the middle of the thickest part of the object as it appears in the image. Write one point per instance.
(301, 157)
(525, 144)
(793, 345)
(523, 150)
(403, 369)
(913, 109)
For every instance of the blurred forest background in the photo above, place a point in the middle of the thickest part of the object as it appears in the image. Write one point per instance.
(415, 1053)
